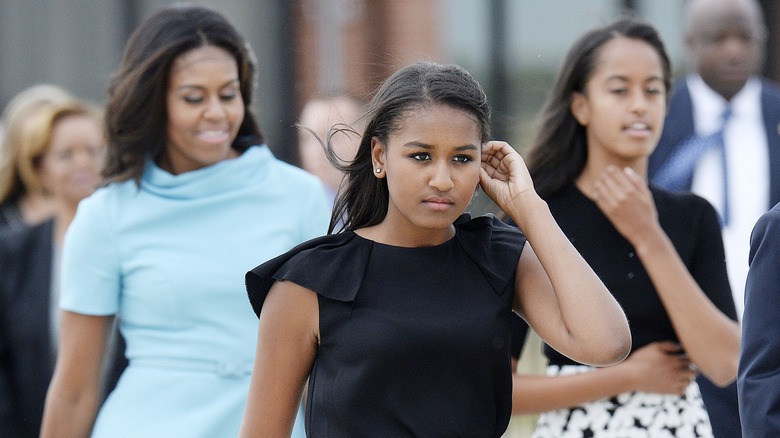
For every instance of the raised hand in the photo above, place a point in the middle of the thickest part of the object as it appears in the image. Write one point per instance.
(504, 176)
(623, 196)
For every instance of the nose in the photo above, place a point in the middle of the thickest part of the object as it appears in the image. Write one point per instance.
(441, 179)
(639, 102)
(87, 159)
(215, 109)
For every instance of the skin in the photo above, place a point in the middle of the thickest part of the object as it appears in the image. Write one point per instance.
(725, 42)
(623, 109)
(432, 163)
(320, 116)
(70, 168)
(205, 110)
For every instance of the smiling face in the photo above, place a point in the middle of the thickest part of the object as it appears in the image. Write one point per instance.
(624, 103)
(70, 168)
(205, 109)
(431, 162)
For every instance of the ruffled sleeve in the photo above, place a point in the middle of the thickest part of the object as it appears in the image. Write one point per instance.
(493, 246)
(331, 266)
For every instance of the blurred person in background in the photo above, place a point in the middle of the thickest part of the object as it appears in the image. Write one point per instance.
(23, 200)
(194, 199)
(65, 145)
(721, 140)
(333, 119)
(660, 253)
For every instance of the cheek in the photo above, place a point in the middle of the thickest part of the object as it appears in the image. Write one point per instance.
(176, 117)
(49, 173)
(236, 111)
(472, 178)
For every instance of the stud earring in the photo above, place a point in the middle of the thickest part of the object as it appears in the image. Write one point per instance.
(378, 170)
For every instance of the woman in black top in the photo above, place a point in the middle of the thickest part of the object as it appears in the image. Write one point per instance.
(400, 322)
(659, 253)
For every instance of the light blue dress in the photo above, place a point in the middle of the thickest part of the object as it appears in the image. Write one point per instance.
(169, 259)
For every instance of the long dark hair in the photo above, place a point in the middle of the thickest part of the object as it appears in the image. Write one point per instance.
(136, 116)
(363, 198)
(560, 150)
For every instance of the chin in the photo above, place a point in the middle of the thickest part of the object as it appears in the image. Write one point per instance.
(438, 223)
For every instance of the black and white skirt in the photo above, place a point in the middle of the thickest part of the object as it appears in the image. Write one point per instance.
(627, 415)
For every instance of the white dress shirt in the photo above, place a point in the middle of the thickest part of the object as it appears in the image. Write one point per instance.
(747, 159)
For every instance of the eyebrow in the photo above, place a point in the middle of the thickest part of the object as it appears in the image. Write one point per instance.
(625, 79)
(200, 87)
(417, 144)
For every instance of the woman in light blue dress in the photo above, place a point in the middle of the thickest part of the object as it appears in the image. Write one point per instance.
(195, 199)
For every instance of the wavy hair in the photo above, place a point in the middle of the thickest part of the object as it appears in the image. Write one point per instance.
(37, 139)
(16, 121)
(136, 114)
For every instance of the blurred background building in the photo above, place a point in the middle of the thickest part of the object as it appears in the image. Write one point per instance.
(309, 48)
(317, 47)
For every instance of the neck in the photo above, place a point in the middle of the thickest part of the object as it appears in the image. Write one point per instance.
(63, 216)
(406, 236)
(35, 208)
(594, 171)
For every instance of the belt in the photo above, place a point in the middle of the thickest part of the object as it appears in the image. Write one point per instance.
(223, 368)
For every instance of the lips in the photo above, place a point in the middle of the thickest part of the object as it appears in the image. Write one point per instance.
(638, 129)
(87, 179)
(438, 203)
(214, 136)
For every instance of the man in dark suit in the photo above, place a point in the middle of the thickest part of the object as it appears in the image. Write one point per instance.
(721, 141)
(759, 389)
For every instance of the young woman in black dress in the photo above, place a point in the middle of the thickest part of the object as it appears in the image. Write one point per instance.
(400, 322)
(659, 253)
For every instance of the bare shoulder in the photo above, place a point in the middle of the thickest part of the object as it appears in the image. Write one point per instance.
(291, 306)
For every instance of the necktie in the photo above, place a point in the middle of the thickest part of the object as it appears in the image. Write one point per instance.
(677, 173)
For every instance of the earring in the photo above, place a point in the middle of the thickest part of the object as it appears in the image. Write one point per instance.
(378, 170)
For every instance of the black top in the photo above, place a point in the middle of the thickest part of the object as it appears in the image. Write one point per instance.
(413, 341)
(26, 354)
(10, 216)
(691, 224)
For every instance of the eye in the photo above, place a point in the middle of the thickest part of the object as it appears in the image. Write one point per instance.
(228, 97)
(462, 158)
(193, 99)
(420, 156)
(94, 151)
(619, 91)
(653, 90)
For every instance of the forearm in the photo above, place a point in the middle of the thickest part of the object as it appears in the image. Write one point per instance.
(709, 337)
(68, 416)
(74, 394)
(592, 319)
(533, 394)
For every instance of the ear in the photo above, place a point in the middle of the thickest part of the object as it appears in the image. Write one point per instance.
(579, 108)
(378, 157)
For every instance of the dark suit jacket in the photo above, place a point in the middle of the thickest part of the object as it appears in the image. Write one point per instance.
(679, 126)
(759, 364)
(26, 356)
(721, 403)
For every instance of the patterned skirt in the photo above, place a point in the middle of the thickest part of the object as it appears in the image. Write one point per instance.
(627, 415)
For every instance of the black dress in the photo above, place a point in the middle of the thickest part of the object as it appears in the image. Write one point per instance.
(413, 341)
(692, 226)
